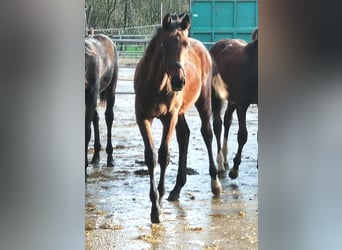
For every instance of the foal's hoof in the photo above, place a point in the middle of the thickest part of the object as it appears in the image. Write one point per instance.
(110, 163)
(233, 174)
(173, 196)
(155, 218)
(95, 160)
(216, 187)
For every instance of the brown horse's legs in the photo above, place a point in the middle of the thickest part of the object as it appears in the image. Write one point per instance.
(163, 160)
(109, 114)
(228, 117)
(207, 135)
(97, 144)
(169, 123)
(242, 138)
(150, 161)
(183, 133)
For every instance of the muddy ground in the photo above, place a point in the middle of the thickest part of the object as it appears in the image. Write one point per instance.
(117, 199)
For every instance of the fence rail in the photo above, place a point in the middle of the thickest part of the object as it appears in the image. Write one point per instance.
(133, 46)
(131, 42)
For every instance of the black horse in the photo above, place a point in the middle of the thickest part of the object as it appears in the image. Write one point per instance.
(237, 62)
(101, 74)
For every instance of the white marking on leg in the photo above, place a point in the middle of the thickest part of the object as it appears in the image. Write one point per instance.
(225, 152)
(220, 161)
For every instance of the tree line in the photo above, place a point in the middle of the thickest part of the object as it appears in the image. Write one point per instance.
(108, 14)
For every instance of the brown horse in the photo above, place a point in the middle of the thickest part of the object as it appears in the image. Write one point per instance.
(237, 62)
(174, 74)
(101, 73)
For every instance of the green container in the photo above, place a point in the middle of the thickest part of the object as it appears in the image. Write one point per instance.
(213, 20)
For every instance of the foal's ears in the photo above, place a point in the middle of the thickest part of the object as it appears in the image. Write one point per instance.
(185, 24)
(167, 21)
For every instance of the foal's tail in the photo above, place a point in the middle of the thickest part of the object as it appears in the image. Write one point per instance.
(219, 91)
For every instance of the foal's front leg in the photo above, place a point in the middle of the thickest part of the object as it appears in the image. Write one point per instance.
(169, 123)
(183, 133)
(151, 161)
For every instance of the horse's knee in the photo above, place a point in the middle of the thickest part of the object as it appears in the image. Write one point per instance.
(242, 136)
(163, 157)
(109, 114)
(207, 132)
(217, 124)
(150, 157)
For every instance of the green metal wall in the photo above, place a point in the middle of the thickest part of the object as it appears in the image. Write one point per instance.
(212, 20)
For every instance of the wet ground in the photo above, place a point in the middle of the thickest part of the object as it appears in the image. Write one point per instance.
(117, 199)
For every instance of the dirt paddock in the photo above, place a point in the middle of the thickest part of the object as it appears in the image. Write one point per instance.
(117, 204)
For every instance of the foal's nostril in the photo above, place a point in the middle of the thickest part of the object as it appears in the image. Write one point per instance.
(177, 83)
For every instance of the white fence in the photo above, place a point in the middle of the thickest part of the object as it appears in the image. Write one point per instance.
(131, 42)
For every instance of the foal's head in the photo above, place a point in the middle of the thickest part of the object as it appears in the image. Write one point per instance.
(174, 48)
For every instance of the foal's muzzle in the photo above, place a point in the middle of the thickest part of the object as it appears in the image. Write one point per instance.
(178, 81)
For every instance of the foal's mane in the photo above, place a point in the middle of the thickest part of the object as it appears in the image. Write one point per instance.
(153, 45)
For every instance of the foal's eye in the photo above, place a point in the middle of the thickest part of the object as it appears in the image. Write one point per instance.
(185, 44)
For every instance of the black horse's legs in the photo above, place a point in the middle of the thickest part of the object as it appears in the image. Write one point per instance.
(183, 133)
(228, 117)
(150, 161)
(217, 124)
(97, 144)
(109, 115)
(242, 138)
(207, 134)
(89, 115)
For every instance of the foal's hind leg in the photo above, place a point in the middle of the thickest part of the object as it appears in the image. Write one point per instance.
(203, 108)
(89, 115)
(109, 115)
(183, 133)
(228, 117)
(97, 144)
(217, 124)
(242, 138)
